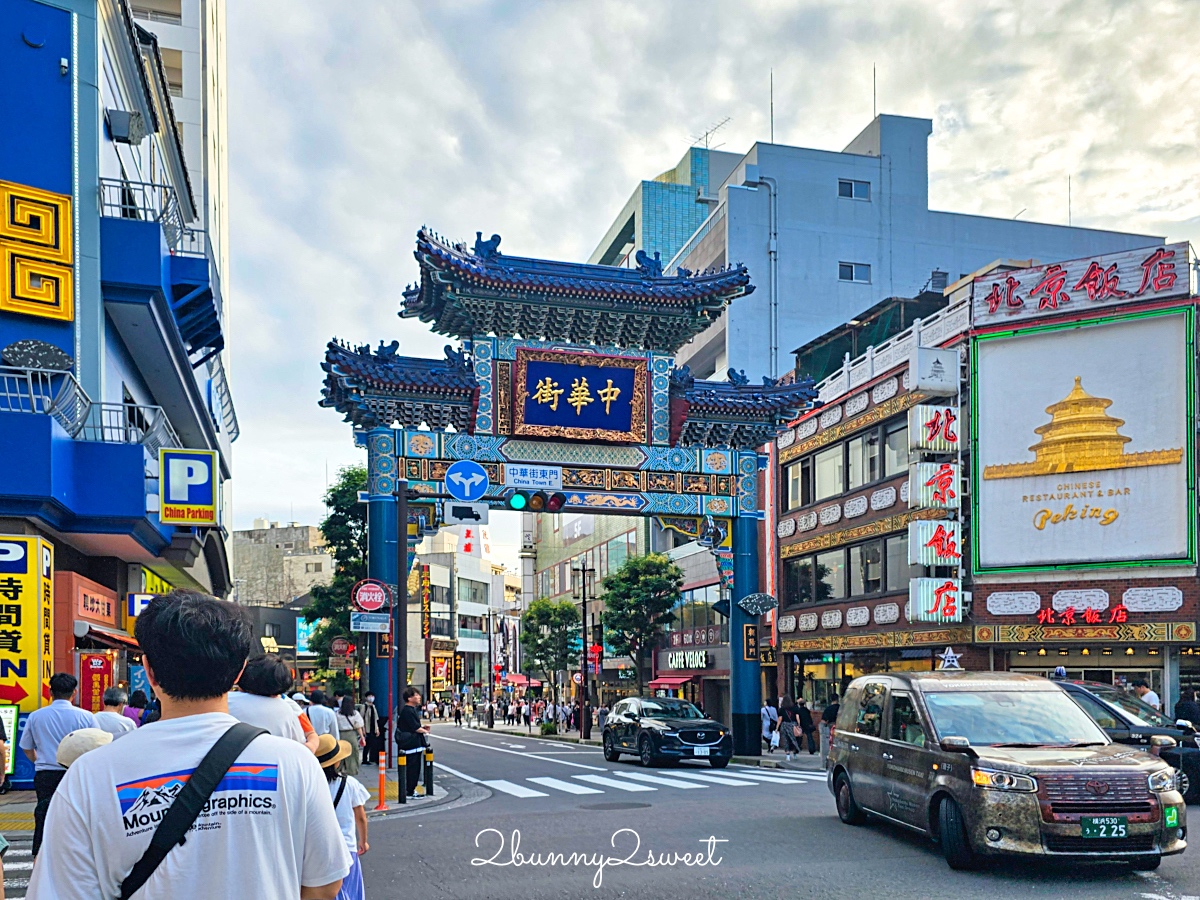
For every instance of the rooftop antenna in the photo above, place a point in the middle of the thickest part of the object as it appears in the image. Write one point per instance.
(706, 137)
(1068, 201)
(874, 111)
(772, 106)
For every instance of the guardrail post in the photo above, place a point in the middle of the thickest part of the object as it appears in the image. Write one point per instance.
(428, 771)
(382, 782)
(402, 772)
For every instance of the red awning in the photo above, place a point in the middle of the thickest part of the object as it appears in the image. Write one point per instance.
(669, 681)
(110, 637)
(521, 681)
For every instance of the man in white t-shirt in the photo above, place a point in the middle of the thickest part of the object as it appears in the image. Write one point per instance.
(324, 719)
(112, 718)
(260, 701)
(268, 830)
(1147, 695)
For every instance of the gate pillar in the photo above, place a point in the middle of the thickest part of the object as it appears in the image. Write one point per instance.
(745, 683)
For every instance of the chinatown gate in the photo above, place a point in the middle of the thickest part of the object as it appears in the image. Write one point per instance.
(567, 368)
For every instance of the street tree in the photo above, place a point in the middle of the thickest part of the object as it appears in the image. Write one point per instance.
(345, 531)
(549, 638)
(638, 601)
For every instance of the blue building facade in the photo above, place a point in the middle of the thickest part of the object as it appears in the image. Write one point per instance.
(112, 322)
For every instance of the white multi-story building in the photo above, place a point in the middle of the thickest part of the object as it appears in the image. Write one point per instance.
(825, 235)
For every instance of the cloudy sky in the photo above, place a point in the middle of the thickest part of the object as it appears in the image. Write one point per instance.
(354, 122)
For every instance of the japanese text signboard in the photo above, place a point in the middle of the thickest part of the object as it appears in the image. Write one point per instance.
(95, 677)
(934, 543)
(933, 486)
(578, 395)
(1084, 444)
(26, 620)
(935, 600)
(1080, 285)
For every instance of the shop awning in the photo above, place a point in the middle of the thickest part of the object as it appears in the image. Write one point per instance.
(521, 680)
(110, 637)
(669, 681)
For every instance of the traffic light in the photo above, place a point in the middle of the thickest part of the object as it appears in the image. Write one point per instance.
(537, 501)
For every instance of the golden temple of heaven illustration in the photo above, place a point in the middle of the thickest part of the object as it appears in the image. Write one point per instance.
(1081, 437)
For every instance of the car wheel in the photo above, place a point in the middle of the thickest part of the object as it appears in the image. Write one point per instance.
(1146, 865)
(610, 749)
(718, 762)
(646, 752)
(848, 811)
(953, 832)
(1190, 791)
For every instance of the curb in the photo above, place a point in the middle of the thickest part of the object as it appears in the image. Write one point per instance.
(398, 810)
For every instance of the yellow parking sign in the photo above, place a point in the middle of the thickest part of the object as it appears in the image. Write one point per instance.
(26, 620)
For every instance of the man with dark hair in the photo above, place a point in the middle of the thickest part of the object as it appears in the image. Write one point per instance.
(269, 829)
(324, 719)
(44, 728)
(410, 737)
(260, 701)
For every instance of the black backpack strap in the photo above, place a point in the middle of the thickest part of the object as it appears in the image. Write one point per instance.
(341, 790)
(188, 802)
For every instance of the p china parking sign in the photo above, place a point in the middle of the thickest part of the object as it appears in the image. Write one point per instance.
(187, 487)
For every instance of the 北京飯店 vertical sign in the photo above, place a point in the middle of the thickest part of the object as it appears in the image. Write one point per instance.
(579, 395)
(26, 620)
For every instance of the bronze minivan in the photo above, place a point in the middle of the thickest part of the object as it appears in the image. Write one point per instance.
(996, 763)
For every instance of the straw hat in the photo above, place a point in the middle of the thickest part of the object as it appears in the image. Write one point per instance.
(79, 742)
(331, 751)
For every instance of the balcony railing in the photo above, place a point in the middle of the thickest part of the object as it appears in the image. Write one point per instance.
(58, 394)
(121, 199)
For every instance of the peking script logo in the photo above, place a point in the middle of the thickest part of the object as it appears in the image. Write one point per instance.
(246, 789)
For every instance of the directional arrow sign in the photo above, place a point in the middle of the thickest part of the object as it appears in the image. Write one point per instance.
(466, 480)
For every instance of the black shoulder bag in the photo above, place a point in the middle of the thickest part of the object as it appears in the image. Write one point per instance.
(188, 802)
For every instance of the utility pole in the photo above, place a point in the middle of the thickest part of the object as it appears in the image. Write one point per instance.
(581, 579)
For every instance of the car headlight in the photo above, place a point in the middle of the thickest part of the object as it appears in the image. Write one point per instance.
(1003, 781)
(1162, 780)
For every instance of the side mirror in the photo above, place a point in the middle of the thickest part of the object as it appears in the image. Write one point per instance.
(955, 744)
(1162, 741)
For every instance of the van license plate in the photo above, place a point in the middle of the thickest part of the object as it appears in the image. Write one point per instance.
(700, 751)
(1105, 826)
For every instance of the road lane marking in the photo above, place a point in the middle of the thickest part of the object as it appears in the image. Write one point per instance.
(561, 762)
(771, 779)
(779, 773)
(456, 773)
(613, 783)
(714, 779)
(655, 779)
(567, 786)
(517, 790)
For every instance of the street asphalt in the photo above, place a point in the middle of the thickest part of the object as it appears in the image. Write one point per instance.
(752, 833)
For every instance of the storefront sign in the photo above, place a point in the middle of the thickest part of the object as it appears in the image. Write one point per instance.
(934, 429)
(935, 370)
(26, 620)
(768, 656)
(187, 487)
(426, 594)
(460, 668)
(95, 677)
(690, 637)
(93, 602)
(935, 599)
(688, 659)
(933, 486)
(1091, 460)
(304, 631)
(384, 647)
(1080, 285)
(943, 636)
(441, 670)
(579, 395)
(934, 543)
(1155, 632)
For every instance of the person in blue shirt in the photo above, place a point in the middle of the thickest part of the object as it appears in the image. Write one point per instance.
(44, 728)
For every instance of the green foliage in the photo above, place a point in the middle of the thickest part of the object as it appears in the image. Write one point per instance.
(548, 728)
(550, 638)
(638, 600)
(345, 530)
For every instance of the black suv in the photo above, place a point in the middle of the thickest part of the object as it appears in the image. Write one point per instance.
(658, 729)
(1130, 721)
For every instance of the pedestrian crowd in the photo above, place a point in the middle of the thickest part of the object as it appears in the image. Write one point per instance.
(789, 725)
(237, 789)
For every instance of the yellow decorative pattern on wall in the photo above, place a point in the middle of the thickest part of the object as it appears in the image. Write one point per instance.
(37, 253)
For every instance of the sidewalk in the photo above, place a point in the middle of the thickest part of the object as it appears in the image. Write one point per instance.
(16, 813)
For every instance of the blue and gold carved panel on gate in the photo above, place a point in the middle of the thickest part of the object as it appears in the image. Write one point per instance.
(37, 253)
(580, 396)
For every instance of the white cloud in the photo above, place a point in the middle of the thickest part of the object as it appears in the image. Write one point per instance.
(354, 123)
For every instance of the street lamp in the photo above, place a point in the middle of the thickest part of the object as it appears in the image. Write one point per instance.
(583, 582)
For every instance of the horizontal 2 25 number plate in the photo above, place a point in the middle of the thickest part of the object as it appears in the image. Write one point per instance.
(1105, 826)
(700, 751)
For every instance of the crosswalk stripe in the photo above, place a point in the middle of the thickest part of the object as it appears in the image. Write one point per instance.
(517, 790)
(714, 779)
(770, 779)
(654, 779)
(18, 866)
(776, 773)
(613, 783)
(559, 785)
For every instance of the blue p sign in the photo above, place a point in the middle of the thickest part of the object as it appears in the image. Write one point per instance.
(187, 487)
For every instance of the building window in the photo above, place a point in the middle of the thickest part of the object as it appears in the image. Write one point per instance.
(859, 273)
(860, 570)
(310, 568)
(797, 581)
(829, 472)
(862, 460)
(799, 485)
(895, 453)
(472, 591)
(831, 575)
(866, 568)
(854, 190)
(272, 629)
